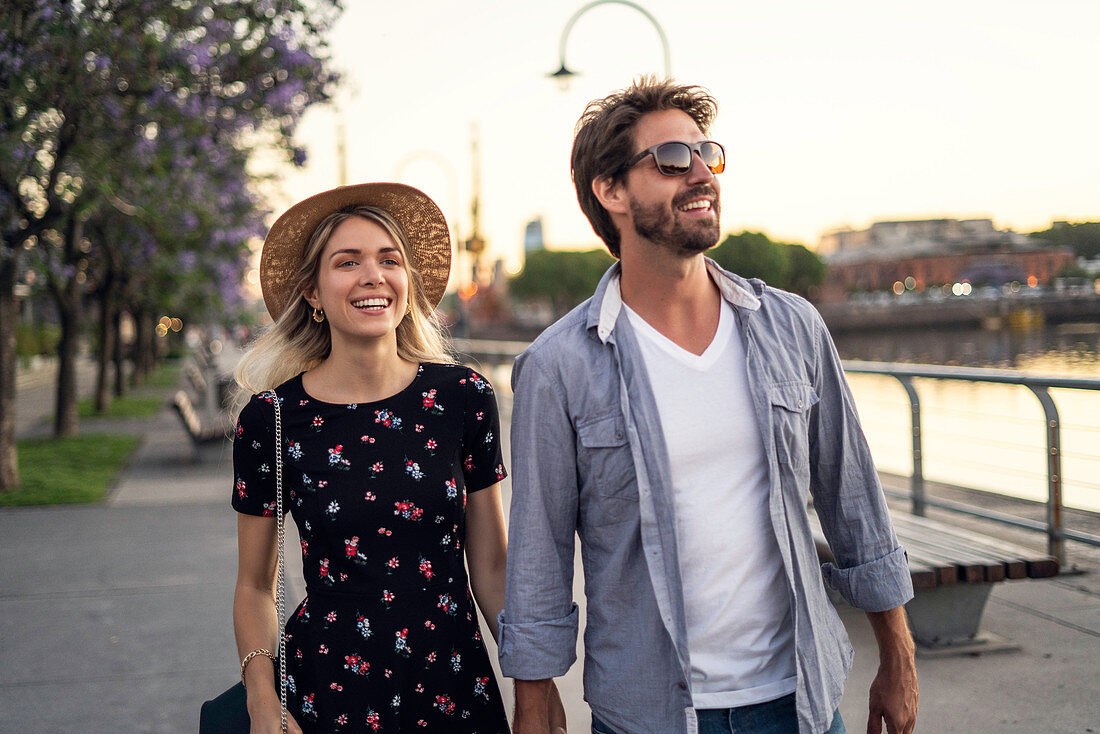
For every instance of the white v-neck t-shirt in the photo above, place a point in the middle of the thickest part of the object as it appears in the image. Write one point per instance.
(739, 626)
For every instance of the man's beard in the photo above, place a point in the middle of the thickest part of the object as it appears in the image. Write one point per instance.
(658, 224)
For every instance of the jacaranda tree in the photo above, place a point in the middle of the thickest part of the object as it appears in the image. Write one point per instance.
(126, 127)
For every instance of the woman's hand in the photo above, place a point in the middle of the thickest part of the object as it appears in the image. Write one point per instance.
(266, 717)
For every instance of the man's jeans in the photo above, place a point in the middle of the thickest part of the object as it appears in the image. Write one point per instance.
(770, 717)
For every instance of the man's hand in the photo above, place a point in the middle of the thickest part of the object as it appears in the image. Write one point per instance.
(556, 710)
(539, 709)
(894, 692)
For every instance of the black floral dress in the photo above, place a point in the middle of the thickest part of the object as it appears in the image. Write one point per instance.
(387, 638)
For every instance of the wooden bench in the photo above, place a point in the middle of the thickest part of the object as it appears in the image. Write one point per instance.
(200, 435)
(194, 376)
(202, 357)
(953, 571)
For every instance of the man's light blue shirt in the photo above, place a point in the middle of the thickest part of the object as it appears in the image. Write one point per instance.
(589, 459)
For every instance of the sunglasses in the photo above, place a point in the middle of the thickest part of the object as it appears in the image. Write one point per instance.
(675, 158)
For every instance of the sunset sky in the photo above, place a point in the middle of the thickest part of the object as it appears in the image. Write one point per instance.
(832, 114)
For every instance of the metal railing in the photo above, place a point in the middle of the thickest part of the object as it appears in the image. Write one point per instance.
(1053, 527)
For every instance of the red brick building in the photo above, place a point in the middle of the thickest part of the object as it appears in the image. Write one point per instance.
(934, 253)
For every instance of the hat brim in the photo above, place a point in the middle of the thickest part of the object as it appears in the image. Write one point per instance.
(418, 216)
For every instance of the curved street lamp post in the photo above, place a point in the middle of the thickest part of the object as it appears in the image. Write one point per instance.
(564, 74)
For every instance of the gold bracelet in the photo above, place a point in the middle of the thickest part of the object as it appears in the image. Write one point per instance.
(248, 659)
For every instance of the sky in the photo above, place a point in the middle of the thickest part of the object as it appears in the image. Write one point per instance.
(832, 114)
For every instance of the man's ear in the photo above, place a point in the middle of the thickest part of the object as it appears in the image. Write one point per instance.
(611, 195)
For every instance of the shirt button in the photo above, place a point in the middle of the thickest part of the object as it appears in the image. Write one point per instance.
(618, 434)
(799, 403)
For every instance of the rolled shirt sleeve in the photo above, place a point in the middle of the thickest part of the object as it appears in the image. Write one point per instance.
(871, 570)
(538, 626)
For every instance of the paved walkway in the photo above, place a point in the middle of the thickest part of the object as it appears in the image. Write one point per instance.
(116, 618)
(36, 394)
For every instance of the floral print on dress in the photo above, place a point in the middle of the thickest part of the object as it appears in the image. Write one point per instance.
(430, 404)
(307, 706)
(413, 470)
(352, 552)
(336, 457)
(386, 639)
(447, 604)
(323, 573)
(356, 664)
(387, 419)
(480, 383)
(401, 643)
(408, 510)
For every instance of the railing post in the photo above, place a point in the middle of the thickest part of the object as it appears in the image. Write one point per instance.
(1056, 542)
(916, 482)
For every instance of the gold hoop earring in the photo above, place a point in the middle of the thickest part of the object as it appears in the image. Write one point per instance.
(318, 315)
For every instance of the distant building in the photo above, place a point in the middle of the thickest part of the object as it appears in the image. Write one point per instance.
(532, 236)
(935, 252)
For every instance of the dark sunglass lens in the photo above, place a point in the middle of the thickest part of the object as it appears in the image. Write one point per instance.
(673, 159)
(713, 157)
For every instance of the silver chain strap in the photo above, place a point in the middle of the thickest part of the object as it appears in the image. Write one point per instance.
(280, 585)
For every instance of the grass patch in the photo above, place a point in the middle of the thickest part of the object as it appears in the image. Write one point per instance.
(167, 374)
(68, 470)
(127, 406)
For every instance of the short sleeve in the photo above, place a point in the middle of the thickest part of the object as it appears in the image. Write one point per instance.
(482, 460)
(254, 459)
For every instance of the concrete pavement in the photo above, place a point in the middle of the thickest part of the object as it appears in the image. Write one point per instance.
(116, 617)
(36, 393)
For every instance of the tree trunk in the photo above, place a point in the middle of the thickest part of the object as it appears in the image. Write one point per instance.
(107, 338)
(67, 297)
(9, 460)
(66, 422)
(143, 346)
(119, 355)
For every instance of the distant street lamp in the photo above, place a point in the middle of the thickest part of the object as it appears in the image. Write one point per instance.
(564, 74)
(448, 170)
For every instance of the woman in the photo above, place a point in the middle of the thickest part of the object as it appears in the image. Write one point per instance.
(392, 466)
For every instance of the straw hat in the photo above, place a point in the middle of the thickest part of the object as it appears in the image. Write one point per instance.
(416, 214)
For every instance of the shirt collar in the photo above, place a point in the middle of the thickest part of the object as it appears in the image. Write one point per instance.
(607, 301)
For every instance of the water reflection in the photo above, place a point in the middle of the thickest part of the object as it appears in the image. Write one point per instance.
(1070, 349)
(989, 437)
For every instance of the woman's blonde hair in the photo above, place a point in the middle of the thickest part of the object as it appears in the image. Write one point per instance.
(295, 342)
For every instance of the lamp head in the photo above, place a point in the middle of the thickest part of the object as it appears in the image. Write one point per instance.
(563, 76)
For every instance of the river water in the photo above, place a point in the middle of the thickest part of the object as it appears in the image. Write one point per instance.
(987, 437)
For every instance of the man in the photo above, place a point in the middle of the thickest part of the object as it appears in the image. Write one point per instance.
(678, 422)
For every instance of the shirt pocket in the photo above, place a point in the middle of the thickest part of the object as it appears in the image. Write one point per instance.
(791, 403)
(605, 466)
